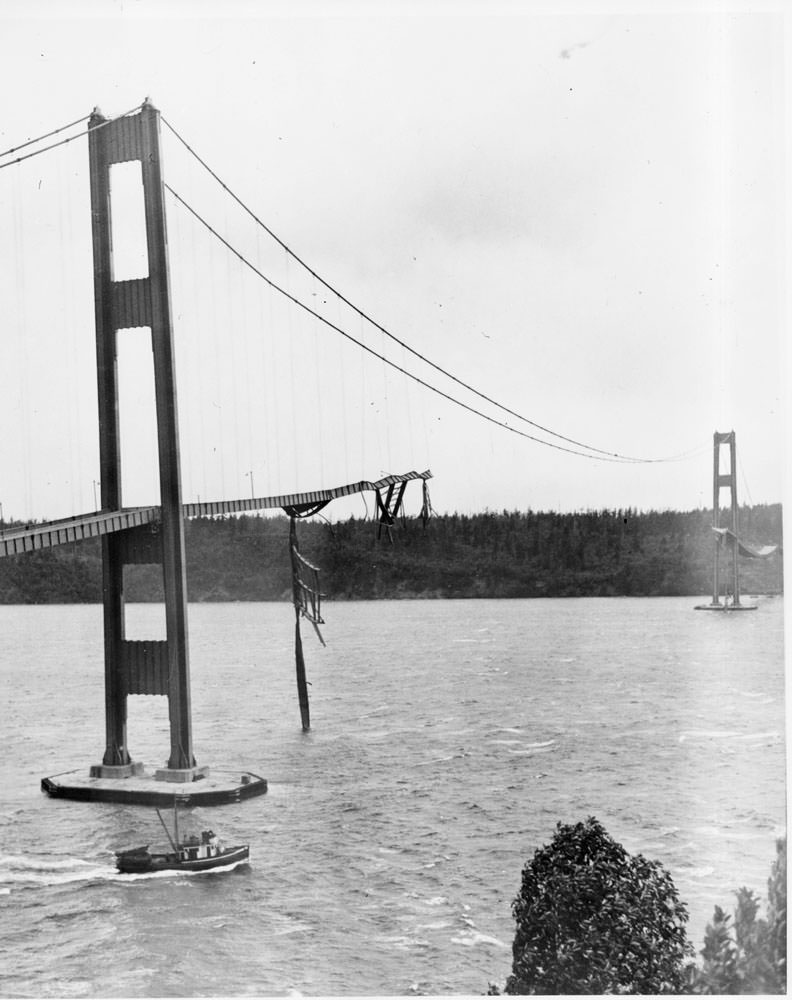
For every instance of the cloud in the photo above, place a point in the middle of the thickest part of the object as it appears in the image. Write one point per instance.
(567, 53)
(545, 198)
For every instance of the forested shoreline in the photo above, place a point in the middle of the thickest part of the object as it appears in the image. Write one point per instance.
(497, 555)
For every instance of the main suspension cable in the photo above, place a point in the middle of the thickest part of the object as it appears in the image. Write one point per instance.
(604, 457)
(374, 323)
(62, 142)
(41, 138)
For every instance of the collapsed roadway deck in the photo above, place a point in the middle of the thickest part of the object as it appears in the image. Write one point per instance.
(132, 784)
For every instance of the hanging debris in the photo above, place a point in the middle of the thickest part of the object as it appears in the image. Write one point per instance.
(426, 507)
(307, 604)
(306, 593)
(389, 507)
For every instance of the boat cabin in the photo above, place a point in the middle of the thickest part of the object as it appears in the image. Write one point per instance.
(193, 848)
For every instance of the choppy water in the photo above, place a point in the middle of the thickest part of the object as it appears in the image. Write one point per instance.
(449, 738)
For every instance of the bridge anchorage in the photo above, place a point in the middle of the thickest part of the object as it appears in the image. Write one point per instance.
(155, 534)
(727, 536)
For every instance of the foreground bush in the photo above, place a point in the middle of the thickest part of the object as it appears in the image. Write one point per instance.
(591, 918)
(747, 954)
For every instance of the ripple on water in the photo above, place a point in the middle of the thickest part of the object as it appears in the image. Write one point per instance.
(393, 837)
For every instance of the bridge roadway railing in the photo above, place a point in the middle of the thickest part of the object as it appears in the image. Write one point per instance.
(46, 534)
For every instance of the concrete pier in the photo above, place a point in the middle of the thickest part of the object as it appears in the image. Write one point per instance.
(726, 607)
(145, 788)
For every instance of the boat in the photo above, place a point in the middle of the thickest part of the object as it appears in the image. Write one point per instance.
(190, 854)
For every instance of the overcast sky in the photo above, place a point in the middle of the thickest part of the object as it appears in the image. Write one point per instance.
(579, 213)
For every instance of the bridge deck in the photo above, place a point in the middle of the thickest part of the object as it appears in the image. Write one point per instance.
(46, 534)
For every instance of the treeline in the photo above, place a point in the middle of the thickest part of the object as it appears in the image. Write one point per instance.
(506, 554)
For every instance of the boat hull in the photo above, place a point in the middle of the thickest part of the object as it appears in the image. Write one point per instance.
(140, 861)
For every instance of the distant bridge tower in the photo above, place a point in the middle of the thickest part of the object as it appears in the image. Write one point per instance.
(141, 667)
(724, 532)
(720, 481)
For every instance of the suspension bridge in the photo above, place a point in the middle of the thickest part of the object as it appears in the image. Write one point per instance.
(153, 533)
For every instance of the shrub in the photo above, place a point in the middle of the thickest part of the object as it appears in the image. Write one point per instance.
(591, 918)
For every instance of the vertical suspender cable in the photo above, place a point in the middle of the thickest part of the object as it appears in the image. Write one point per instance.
(342, 369)
(218, 370)
(231, 343)
(22, 327)
(318, 372)
(271, 434)
(200, 320)
(386, 402)
(364, 408)
(247, 364)
(294, 400)
(67, 334)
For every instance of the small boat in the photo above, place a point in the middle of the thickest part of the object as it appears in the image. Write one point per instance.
(191, 854)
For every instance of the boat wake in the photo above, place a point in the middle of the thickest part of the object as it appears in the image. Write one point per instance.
(20, 872)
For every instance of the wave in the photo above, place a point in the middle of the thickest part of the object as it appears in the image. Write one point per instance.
(526, 746)
(443, 760)
(532, 749)
(471, 938)
(375, 711)
(692, 872)
(405, 942)
(750, 694)
(726, 734)
(434, 925)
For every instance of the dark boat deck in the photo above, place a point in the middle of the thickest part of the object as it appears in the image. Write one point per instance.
(141, 861)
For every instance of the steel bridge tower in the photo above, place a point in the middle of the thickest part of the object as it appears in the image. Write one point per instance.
(148, 667)
(720, 481)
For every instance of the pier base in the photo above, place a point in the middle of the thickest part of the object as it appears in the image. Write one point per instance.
(725, 607)
(199, 786)
(182, 776)
(116, 770)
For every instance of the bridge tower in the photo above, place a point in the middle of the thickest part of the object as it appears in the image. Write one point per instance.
(728, 480)
(725, 480)
(152, 667)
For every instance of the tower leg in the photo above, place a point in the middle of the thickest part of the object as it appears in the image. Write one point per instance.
(116, 753)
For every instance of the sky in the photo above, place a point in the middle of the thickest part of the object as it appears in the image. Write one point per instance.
(578, 212)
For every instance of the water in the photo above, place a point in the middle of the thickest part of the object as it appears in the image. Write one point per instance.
(449, 738)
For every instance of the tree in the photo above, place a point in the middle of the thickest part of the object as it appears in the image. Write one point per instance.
(748, 954)
(591, 918)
